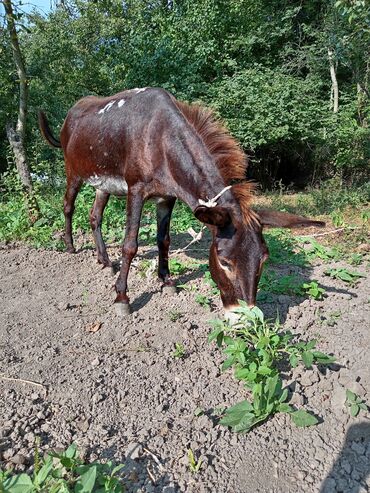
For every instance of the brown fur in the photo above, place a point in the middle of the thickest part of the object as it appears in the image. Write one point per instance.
(228, 156)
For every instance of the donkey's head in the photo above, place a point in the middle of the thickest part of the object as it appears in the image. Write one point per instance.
(238, 251)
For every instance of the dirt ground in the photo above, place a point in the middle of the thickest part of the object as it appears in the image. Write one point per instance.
(119, 393)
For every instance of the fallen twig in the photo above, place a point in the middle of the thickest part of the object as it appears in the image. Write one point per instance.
(155, 458)
(22, 380)
(328, 232)
(151, 475)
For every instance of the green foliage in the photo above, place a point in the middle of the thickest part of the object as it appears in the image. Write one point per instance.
(352, 277)
(355, 403)
(179, 351)
(313, 290)
(194, 465)
(174, 315)
(64, 473)
(203, 300)
(255, 349)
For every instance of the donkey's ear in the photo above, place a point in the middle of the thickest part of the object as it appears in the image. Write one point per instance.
(216, 216)
(285, 220)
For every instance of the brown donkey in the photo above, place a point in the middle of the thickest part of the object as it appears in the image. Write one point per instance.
(143, 143)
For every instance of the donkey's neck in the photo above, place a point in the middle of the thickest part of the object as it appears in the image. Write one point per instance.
(194, 172)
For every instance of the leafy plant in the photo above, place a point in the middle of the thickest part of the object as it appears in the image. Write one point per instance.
(356, 259)
(352, 277)
(254, 348)
(179, 350)
(177, 267)
(64, 473)
(337, 219)
(194, 465)
(202, 300)
(313, 290)
(355, 403)
(315, 250)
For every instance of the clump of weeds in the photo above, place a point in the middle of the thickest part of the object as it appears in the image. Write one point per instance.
(313, 290)
(203, 300)
(351, 277)
(64, 473)
(255, 348)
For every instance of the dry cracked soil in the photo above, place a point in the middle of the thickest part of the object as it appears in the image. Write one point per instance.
(113, 385)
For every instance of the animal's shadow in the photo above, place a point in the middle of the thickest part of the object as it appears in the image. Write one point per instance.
(285, 262)
(352, 464)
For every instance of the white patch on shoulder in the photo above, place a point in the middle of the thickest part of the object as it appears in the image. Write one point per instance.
(121, 102)
(115, 185)
(137, 90)
(107, 107)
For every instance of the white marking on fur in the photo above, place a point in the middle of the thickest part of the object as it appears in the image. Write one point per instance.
(105, 154)
(107, 107)
(121, 102)
(137, 90)
(91, 148)
(115, 185)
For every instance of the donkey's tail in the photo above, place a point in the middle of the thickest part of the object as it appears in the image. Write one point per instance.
(46, 132)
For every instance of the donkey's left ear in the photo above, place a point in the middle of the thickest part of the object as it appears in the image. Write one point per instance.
(276, 219)
(216, 216)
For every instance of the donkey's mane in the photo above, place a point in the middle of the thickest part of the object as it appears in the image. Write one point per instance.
(228, 156)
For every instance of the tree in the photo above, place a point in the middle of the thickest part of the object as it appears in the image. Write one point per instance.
(16, 136)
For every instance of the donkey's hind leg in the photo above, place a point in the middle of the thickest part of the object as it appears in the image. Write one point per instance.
(96, 216)
(164, 211)
(73, 187)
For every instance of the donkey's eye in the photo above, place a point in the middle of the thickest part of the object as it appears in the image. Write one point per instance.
(226, 264)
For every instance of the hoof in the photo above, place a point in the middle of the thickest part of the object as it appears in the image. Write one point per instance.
(122, 309)
(71, 250)
(169, 290)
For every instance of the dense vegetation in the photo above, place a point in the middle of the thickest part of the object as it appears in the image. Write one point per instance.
(289, 78)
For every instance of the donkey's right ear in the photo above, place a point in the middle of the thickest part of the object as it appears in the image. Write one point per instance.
(215, 216)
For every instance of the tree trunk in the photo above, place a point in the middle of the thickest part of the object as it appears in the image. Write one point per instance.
(16, 137)
(334, 82)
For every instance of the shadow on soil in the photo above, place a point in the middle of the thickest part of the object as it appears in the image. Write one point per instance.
(356, 441)
(285, 271)
(143, 468)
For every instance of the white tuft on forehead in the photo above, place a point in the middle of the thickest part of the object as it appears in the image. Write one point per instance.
(121, 102)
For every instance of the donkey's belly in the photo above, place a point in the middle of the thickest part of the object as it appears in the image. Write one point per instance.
(114, 185)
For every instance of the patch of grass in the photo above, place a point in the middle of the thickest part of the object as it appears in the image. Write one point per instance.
(64, 473)
(256, 348)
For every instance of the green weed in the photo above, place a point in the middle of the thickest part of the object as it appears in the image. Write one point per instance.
(355, 403)
(313, 290)
(254, 348)
(177, 267)
(179, 351)
(351, 277)
(64, 473)
(194, 465)
(203, 300)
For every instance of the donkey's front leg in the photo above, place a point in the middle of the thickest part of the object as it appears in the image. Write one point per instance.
(164, 211)
(96, 216)
(134, 207)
